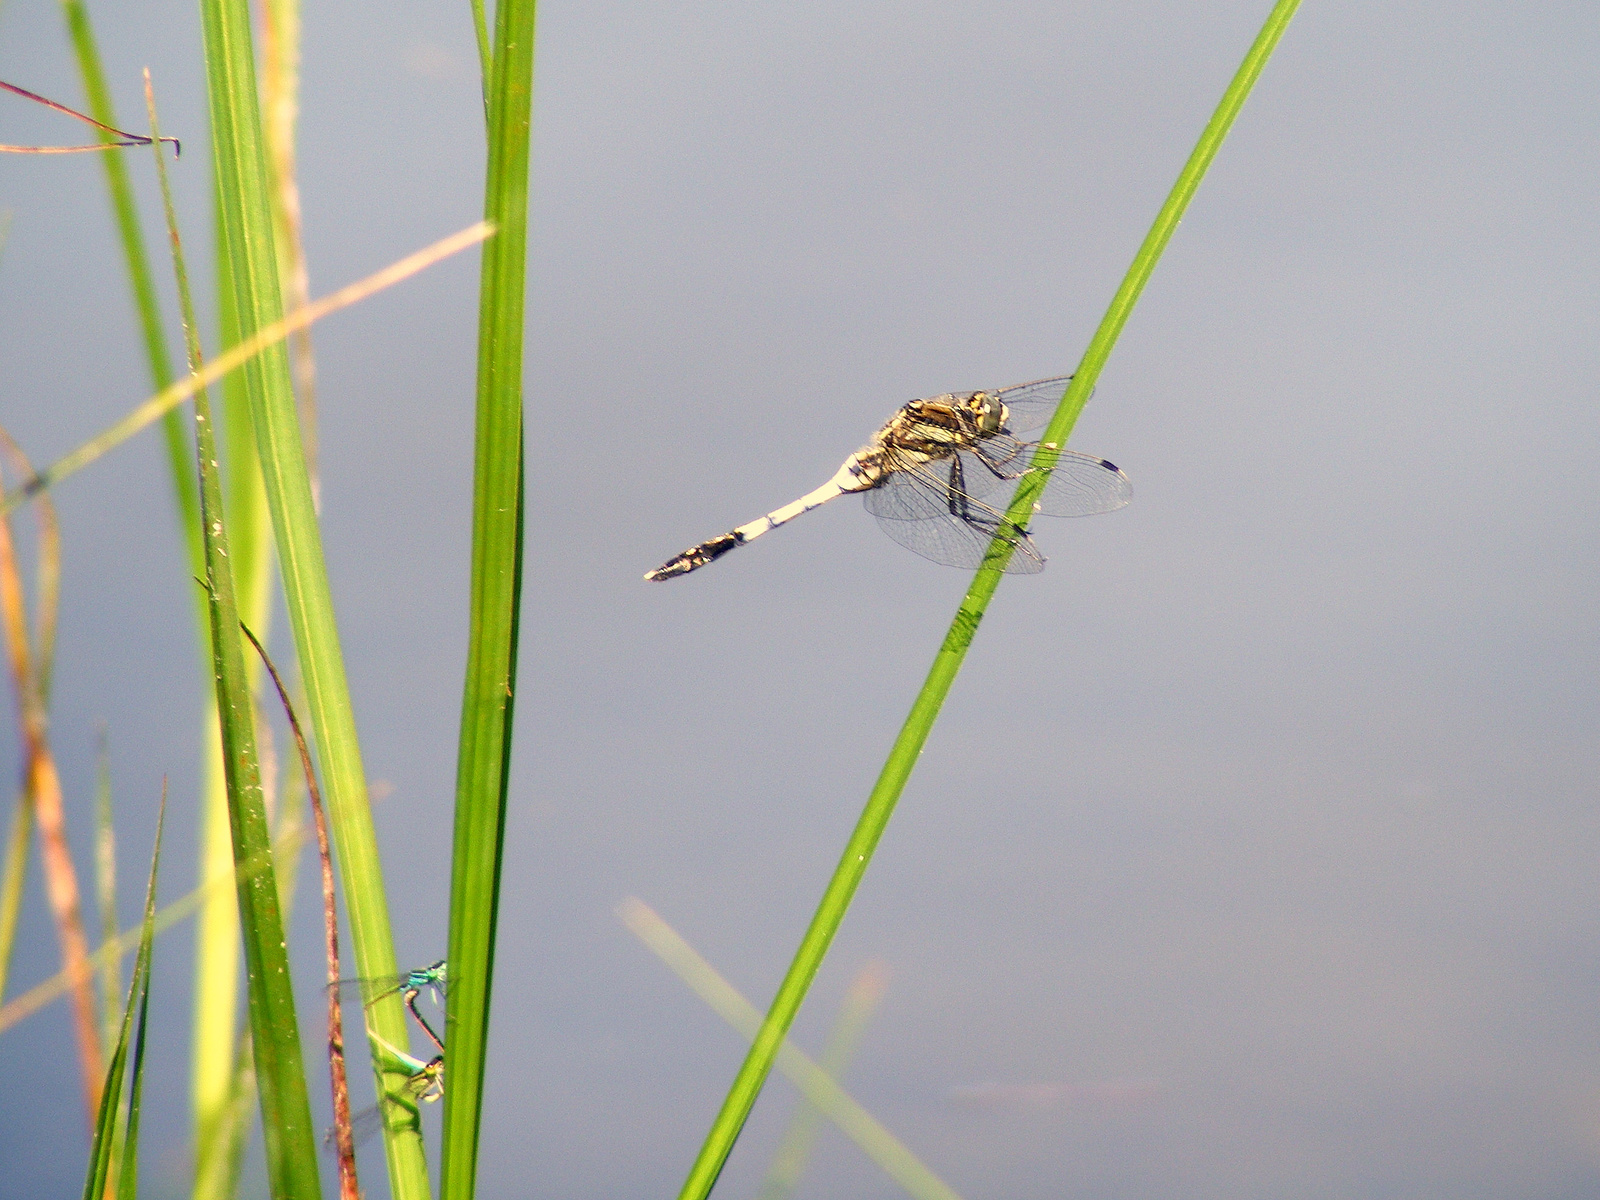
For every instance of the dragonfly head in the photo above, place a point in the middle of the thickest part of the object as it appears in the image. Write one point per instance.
(988, 411)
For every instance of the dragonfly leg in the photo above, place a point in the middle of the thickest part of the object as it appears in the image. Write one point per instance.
(956, 492)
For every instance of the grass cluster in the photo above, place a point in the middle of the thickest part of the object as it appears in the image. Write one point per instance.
(243, 477)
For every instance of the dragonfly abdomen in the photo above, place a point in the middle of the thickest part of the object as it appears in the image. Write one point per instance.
(846, 479)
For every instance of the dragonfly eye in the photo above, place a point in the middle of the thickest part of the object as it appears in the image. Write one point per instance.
(990, 412)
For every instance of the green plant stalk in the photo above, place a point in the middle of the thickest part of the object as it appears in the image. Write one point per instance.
(925, 710)
(480, 28)
(216, 972)
(216, 976)
(217, 946)
(290, 1139)
(280, 95)
(103, 1150)
(243, 184)
(128, 1148)
(483, 766)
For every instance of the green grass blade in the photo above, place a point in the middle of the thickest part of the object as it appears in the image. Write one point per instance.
(817, 1085)
(925, 709)
(217, 947)
(290, 1138)
(243, 184)
(216, 976)
(103, 1151)
(480, 28)
(128, 1187)
(497, 501)
(145, 302)
(280, 96)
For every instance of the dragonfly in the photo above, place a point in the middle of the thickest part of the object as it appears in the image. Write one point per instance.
(410, 985)
(424, 1083)
(931, 476)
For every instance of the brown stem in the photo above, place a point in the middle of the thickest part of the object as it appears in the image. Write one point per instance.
(43, 787)
(345, 1141)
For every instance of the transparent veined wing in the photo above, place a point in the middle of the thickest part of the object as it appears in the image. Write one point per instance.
(994, 465)
(1084, 486)
(368, 991)
(1032, 404)
(920, 509)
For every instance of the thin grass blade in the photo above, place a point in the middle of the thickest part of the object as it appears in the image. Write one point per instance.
(103, 1149)
(908, 745)
(213, 1030)
(488, 695)
(128, 1187)
(280, 97)
(285, 1106)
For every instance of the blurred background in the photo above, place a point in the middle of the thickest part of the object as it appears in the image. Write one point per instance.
(1254, 852)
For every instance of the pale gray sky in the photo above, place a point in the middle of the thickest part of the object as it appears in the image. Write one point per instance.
(1273, 795)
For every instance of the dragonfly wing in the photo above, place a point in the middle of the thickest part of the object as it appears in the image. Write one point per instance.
(367, 991)
(919, 509)
(363, 1125)
(993, 466)
(1083, 486)
(1032, 404)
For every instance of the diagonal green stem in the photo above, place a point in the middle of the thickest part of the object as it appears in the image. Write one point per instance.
(925, 710)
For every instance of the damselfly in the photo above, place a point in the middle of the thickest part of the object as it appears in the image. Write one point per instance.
(412, 984)
(424, 1083)
(927, 473)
